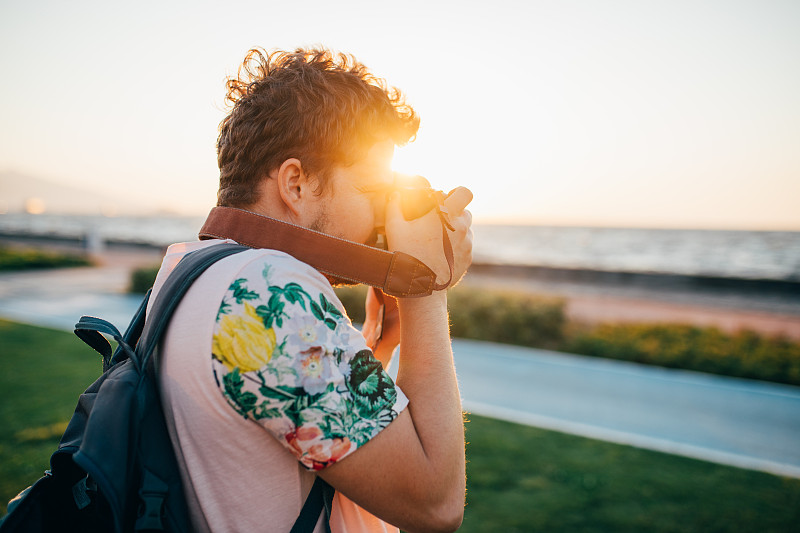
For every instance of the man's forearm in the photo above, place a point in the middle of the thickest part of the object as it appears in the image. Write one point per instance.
(427, 376)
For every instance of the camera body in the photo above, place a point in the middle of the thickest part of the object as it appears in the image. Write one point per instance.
(418, 201)
(415, 202)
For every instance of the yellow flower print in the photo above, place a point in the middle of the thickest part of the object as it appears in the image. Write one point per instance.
(242, 341)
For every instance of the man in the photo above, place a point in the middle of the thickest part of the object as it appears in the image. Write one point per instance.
(264, 380)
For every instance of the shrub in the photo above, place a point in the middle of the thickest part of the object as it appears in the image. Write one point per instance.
(488, 315)
(24, 258)
(352, 299)
(744, 354)
(507, 317)
(142, 279)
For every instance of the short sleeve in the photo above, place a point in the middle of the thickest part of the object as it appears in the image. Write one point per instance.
(286, 355)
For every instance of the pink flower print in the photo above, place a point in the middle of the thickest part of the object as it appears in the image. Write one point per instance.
(315, 369)
(314, 450)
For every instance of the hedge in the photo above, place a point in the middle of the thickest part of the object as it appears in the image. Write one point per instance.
(498, 316)
(25, 258)
(142, 279)
(743, 354)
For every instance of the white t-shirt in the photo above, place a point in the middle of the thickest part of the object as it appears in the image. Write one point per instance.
(264, 380)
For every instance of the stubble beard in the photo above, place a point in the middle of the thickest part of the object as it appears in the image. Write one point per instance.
(322, 225)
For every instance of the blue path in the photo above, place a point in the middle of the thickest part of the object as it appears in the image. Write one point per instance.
(743, 423)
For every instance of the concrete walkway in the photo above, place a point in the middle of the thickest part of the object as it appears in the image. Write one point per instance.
(58, 298)
(743, 423)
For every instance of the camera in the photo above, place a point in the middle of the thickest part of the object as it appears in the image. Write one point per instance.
(416, 202)
(417, 198)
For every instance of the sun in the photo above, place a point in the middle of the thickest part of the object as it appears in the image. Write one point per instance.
(443, 162)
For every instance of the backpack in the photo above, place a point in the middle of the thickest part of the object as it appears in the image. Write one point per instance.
(115, 469)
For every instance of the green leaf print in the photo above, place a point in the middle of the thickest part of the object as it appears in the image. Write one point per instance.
(241, 293)
(351, 424)
(369, 386)
(272, 312)
(224, 309)
(294, 287)
(276, 308)
(292, 298)
(266, 412)
(316, 310)
(299, 405)
(265, 273)
(293, 293)
(372, 389)
(279, 393)
(329, 307)
(243, 401)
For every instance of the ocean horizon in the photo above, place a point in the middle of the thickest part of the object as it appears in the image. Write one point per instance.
(745, 254)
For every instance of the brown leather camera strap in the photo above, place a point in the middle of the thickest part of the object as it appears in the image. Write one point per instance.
(395, 273)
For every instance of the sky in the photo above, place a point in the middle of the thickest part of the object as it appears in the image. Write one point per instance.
(612, 113)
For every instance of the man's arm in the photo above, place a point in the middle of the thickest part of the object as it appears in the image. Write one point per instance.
(412, 474)
(381, 325)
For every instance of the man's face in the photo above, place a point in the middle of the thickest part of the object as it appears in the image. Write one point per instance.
(352, 206)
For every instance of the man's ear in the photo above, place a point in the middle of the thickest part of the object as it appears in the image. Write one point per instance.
(294, 185)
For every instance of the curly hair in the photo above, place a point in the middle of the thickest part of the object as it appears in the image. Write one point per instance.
(322, 108)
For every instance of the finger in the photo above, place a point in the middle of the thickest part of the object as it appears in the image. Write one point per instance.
(461, 222)
(457, 200)
(464, 221)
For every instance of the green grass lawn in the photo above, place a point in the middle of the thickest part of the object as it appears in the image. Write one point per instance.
(519, 478)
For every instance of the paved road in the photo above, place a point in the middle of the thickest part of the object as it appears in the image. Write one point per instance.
(58, 298)
(743, 423)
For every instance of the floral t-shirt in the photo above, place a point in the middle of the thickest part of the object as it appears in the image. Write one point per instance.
(264, 380)
(290, 359)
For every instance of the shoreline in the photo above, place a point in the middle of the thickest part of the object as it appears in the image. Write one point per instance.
(788, 289)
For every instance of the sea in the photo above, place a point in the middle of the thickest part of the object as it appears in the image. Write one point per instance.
(770, 255)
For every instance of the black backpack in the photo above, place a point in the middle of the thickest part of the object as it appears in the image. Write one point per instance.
(115, 469)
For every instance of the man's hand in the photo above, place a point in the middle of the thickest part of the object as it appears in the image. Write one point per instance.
(422, 237)
(381, 327)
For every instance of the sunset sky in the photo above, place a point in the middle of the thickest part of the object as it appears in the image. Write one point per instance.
(623, 113)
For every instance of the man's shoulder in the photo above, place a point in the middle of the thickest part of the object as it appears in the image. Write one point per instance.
(274, 266)
(274, 259)
(269, 266)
